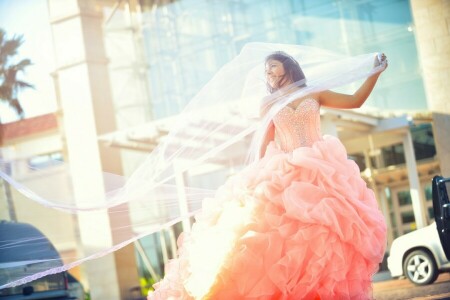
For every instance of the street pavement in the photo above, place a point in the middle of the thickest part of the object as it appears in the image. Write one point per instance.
(398, 289)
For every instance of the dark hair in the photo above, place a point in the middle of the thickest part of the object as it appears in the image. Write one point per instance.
(293, 72)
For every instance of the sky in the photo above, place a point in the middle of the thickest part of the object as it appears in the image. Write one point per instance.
(30, 19)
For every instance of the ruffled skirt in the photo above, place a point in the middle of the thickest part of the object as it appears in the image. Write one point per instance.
(298, 225)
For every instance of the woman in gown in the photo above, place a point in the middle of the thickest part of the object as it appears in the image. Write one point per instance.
(299, 223)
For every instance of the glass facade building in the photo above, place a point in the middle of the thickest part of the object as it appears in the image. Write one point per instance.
(187, 41)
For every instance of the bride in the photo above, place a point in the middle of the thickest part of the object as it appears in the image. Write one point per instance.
(299, 222)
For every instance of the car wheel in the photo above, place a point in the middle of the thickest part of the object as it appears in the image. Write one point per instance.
(420, 268)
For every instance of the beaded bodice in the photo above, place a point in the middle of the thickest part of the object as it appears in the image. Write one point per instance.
(298, 127)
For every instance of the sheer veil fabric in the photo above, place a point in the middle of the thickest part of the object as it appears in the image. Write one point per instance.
(222, 123)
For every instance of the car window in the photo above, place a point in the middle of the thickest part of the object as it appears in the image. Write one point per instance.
(51, 282)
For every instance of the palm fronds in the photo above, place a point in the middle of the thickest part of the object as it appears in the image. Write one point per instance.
(10, 85)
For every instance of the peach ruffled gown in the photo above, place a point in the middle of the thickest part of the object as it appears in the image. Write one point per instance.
(298, 224)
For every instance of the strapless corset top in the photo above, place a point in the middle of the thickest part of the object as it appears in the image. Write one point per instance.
(299, 127)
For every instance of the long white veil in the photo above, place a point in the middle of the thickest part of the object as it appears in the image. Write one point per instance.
(221, 124)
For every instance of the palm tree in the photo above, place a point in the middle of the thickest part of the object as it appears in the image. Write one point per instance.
(10, 85)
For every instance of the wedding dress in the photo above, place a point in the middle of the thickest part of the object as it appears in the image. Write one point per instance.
(300, 223)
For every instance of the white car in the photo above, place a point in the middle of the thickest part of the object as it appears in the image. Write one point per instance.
(418, 255)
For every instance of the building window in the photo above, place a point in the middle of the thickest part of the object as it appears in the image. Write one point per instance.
(393, 155)
(423, 141)
(408, 217)
(358, 158)
(404, 198)
(45, 160)
(428, 193)
(431, 213)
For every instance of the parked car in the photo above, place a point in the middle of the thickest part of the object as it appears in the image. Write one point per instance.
(17, 259)
(418, 255)
(422, 254)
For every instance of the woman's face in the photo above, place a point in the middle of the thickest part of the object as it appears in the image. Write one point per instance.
(275, 73)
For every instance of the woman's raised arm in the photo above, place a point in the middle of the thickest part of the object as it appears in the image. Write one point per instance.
(339, 100)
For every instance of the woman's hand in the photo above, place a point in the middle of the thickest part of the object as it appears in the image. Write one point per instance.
(380, 60)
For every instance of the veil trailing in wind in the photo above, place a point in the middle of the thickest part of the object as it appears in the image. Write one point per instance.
(220, 125)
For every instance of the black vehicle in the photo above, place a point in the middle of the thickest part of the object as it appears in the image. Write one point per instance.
(20, 259)
(441, 207)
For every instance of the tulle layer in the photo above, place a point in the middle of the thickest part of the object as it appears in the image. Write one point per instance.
(299, 225)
